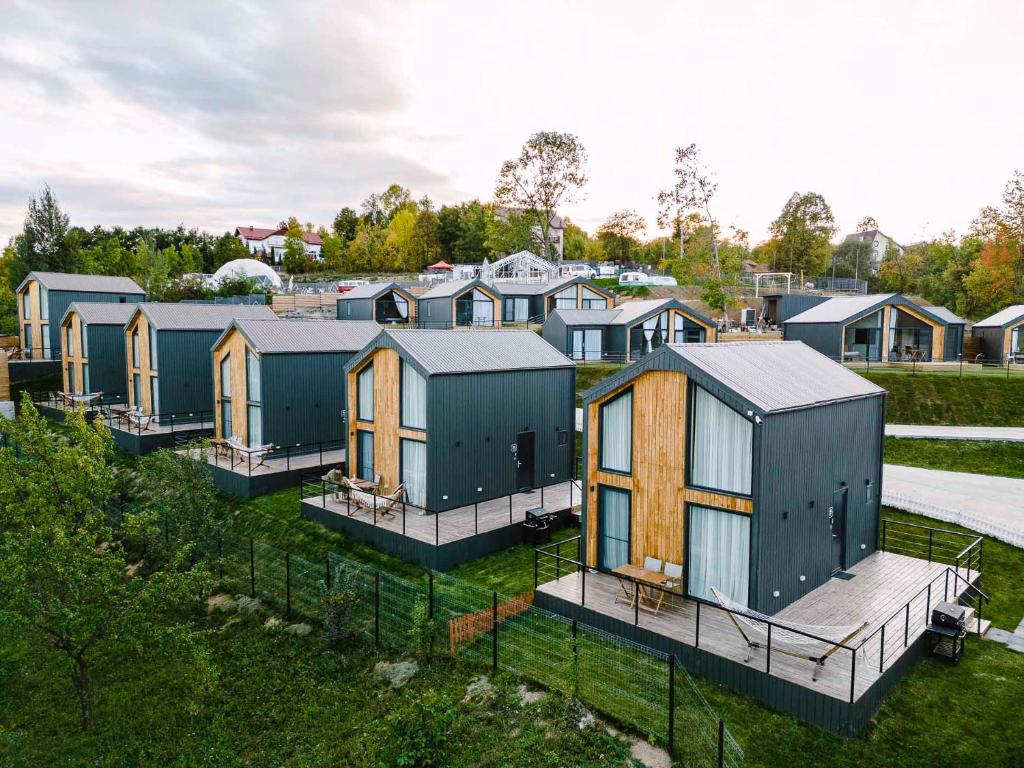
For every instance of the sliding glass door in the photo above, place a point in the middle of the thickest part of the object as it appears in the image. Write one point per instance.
(587, 343)
(613, 526)
(719, 554)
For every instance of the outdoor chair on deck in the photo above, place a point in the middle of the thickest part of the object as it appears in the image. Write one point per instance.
(380, 505)
(674, 571)
(260, 453)
(140, 420)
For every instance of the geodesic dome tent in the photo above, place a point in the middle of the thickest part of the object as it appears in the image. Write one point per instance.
(251, 268)
(522, 267)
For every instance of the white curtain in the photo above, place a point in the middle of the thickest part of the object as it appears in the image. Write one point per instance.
(86, 387)
(566, 298)
(719, 554)
(613, 527)
(364, 393)
(414, 398)
(1015, 341)
(252, 377)
(225, 376)
(722, 445)
(414, 471)
(586, 344)
(650, 326)
(364, 445)
(893, 312)
(44, 303)
(255, 425)
(593, 299)
(616, 424)
(152, 349)
(483, 308)
(154, 395)
(402, 306)
(85, 340)
(522, 310)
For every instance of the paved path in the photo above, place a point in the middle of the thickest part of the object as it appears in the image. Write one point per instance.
(990, 505)
(940, 432)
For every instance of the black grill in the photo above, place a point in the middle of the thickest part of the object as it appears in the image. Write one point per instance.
(949, 615)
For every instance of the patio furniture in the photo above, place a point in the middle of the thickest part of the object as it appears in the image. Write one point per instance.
(381, 505)
(641, 577)
(259, 451)
(359, 484)
(652, 564)
(674, 571)
(142, 421)
(787, 633)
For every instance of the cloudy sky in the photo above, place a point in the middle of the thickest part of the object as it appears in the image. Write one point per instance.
(216, 114)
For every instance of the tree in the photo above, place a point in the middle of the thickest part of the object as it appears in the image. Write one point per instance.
(344, 225)
(580, 246)
(692, 192)
(510, 233)
(852, 258)
(425, 248)
(618, 234)
(867, 223)
(295, 260)
(67, 583)
(549, 172)
(1013, 201)
(228, 248)
(378, 210)
(803, 231)
(43, 243)
(334, 251)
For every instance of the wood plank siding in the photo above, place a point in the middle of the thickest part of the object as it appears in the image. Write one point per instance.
(74, 358)
(34, 319)
(233, 344)
(139, 324)
(938, 331)
(658, 474)
(496, 300)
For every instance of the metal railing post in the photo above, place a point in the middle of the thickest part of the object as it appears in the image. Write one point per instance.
(437, 529)
(906, 626)
(430, 595)
(536, 568)
(374, 507)
(510, 509)
(881, 651)
(721, 743)
(696, 639)
(853, 675)
(885, 530)
(476, 517)
(931, 533)
(558, 560)
(583, 588)
(636, 604)
(768, 655)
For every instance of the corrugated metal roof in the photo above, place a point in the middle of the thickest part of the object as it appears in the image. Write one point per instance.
(945, 315)
(536, 289)
(67, 281)
(295, 336)
(776, 375)
(840, 308)
(477, 351)
(371, 291)
(101, 312)
(586, 316)
(1002, 317)
(201, 317)
(629, 311)
(450, 288)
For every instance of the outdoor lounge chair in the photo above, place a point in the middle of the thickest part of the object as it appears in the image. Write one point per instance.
(381, 505)
(141, 420)
(259, 452)
(787, 633)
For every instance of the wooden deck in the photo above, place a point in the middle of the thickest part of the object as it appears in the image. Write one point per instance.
(881, 586)
(301, 461)
(460, 523)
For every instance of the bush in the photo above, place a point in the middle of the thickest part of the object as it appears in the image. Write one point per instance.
(420, 732)
(340, 601)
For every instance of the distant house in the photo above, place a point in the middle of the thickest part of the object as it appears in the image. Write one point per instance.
(268, 244)
(460, 417)
(460, 304)
(92, 348)
(876, 327)
(1002, 334)
(283, 381)
(167, 350)
(777, 308)
(525, 301)
(627, 332)
(43, 296)
(881, 244)
(384, 303)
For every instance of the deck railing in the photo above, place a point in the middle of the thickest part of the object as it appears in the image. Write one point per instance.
(313, 485)
(1011, 365)
(877, 650)
(191, 421)
(936, 545)
(239, 461)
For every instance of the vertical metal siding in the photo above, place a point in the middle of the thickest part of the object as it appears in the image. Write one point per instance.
(826, 338)
(440, 310)
(362, 309)
(59, 302)
(303, 397)
(185, 370)
(555, 333)
(473, 420)
(108, 369)
(803, 457)
(954, 342)
(991, 342)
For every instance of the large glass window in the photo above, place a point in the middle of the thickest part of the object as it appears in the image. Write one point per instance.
(649, 335)
(414, 398)
(593, 300)
(152, 349)
(719, 554)
(154, 394)
(46, 343)
(686, 331)
(253, 390)
(616, 438)
(71, 340)
(44, 303)
(225, 376)
(364, 454)
(135, 348)
(392, 308)
(254, 424)
(86, 387)
(137, 391)
(566, 298)
(613, 526)
(226, 425)
(26, 305)
(364, 394)
(517, 309)
(71, 379)
(721, 445)
(414, 471)
(226, 430)
(1016, 342)
(911, 338)
(862, 338)
(474, 308)
(587, 343)
(85, 340)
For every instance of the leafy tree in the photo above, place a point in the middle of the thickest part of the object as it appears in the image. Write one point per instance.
(425, 247)
(344, 224)
(899, 272)
(187, 289)
(334, 251)
(43, 243)
(692, 193)
(67, 584)
(379, 209)
(366, 252)
(510, 233)
(549, 172)
(580, 246)
(1013, 217)
(295, 260)
(852, 258)
(803, 231)
(227, 248)
(867, 223)
(618, 234)
(399, 241)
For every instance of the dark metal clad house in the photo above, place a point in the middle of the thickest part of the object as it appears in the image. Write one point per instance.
(777, 308)
(627, 332)
(44, 297)
(380, 302)
(754, 465)
(876, 327)
(287, 380)
(955, 326)
(458, 304)
(535, 301)
(461, 416)
(92, 349)
(167, 355)
(1002, 334)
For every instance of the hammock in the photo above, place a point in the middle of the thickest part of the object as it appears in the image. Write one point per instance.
(827, 640)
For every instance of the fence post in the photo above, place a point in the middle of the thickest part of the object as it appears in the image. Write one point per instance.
(881, 651)
(583, 589)
(476, 519)
(768, 655)
(287, 584)
(536, 558)
(931, 533)
(906, 628)
(252, 567)
(430, 595)
(510, 509)
(376, 608)
(494, 642)
(961, 358)
(575, 659)
(853, 676)
(885, 529)
(558, 560)
(671, 704)
(721, 743)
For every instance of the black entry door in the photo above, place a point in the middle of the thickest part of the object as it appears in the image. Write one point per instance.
(524, 460)
(838, 518)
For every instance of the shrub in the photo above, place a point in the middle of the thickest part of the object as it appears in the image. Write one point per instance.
(340, 602)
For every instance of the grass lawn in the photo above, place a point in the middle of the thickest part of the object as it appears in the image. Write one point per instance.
(946, 399)
(983, 457)
(591, 374)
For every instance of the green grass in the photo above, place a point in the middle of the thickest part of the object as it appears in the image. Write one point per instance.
(509, 571)
(591, 375)
(983, 457)
(947, 399)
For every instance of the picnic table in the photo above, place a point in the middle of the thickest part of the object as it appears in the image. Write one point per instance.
(639, 576)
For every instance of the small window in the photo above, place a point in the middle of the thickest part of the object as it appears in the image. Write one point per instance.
(152, 349)
(135, 348)
(563, 437)
(71, 342)
(225, 376)
(364, 394)
(869, 492)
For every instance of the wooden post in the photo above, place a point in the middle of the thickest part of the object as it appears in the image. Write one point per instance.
(5, 378)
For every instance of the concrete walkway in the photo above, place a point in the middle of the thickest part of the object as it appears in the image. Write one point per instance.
(990, 505)
(941, 432)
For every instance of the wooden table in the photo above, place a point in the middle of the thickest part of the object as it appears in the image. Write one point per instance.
(364, 485)
(640, 576)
